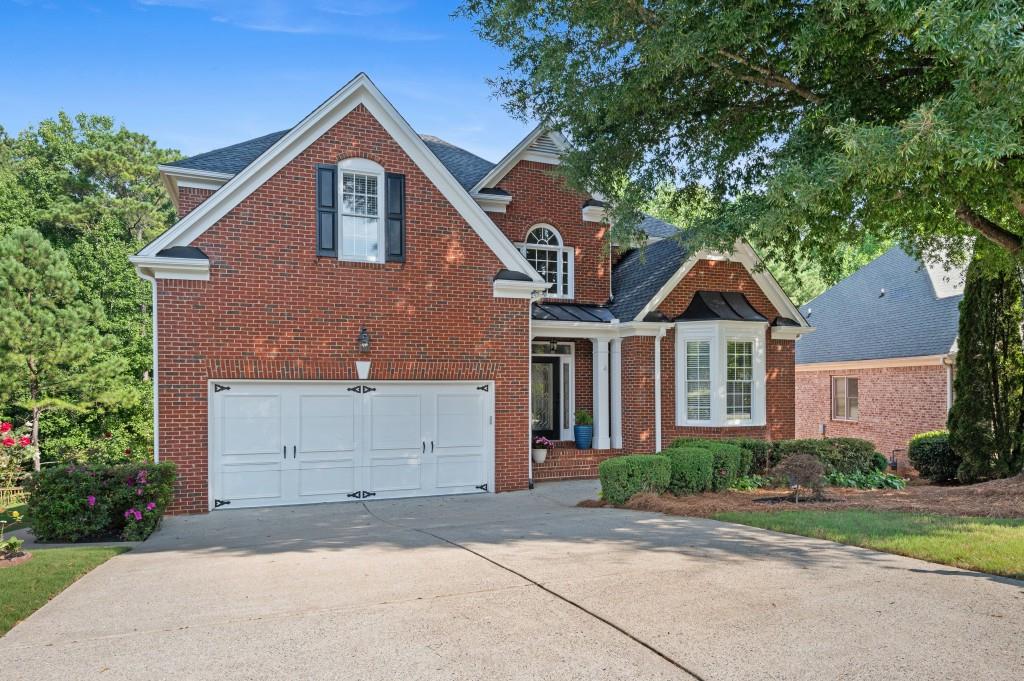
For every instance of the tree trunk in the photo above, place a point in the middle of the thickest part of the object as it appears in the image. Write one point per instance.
(36, 458)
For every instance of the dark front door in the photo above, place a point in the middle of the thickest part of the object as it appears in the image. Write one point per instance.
(544, 407)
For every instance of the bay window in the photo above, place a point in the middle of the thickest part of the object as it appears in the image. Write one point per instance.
(720, 373)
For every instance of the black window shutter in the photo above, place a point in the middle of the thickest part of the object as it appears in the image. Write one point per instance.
(327, 210)
(394, 233)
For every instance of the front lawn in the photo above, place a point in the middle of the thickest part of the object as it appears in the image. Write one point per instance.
(28, 586)
(991, 545)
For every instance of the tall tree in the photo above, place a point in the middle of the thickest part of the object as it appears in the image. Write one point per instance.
(53, 356)
(92, 188)
(815, 123)
(986, 422)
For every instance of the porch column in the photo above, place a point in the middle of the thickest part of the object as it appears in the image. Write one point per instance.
(602, 430)
(615, 378)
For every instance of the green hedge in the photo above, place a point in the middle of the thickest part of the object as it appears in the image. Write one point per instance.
(731, 462)
(761, 452)
(838, 454)
(624, 476)
(932, 456)
(71, 503)
(693, 469)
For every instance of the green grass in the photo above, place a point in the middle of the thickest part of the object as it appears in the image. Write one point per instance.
(989, 545)
(28, 586)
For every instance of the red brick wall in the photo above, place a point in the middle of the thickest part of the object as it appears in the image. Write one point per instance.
(638, 394)
(895, 403)
(712, 275)
(189, 199)
(538, 196)
(274, 310)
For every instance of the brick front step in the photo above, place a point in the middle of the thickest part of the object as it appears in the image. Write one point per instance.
(569, 463)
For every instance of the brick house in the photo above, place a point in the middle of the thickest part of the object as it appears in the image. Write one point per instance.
(348, 309)
(880, 363)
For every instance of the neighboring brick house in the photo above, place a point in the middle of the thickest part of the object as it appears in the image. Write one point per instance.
(880, 363)
(347, 309)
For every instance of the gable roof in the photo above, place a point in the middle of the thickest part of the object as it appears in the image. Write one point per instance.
(467, 167)
(641, 273)
(855, 320)
(359, 91)
(230, 159)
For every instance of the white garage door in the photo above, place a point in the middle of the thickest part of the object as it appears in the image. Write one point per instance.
(309, 442)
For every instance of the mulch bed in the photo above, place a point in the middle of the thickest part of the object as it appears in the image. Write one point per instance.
(10, 562)
(996, 499)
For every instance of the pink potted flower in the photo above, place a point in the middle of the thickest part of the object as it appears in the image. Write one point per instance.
(541, 445)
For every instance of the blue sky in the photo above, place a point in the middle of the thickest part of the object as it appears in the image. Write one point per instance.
(199, 74)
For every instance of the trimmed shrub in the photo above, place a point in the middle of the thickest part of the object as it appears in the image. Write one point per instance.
(624, 476)
(837, 454)
(761, 453)
(692, 470)
(872, 480)
(729, 460)
(879, 463)
(933, 457)
(71, 503)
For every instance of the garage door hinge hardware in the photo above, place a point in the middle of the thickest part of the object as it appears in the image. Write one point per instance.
(217, 503)
(483, 487)
(362, 494)
(485, 388)
(217, 387)
(361, 389)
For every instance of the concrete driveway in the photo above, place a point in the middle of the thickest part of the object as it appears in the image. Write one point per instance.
(513, 586)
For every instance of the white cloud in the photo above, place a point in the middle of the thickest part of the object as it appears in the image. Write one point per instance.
(309, 16)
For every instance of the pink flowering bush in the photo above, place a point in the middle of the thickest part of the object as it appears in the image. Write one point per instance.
(71, 502)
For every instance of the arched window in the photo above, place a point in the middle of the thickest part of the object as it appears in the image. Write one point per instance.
(552, 259)
(361, 191)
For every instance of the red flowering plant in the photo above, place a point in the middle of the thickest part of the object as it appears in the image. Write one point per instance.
(16, 450)
(541, 442)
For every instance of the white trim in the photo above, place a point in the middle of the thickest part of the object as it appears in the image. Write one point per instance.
(657, 389)
(883, 363)
(594, 214)
(718, 334)
(746, 256)
(508, 288)
(171, 268)
(615, 388)
(156, 383)
(520, 152)
(360, 90)
(790, 332)
(562, 252)
(174, 177)
(558, 329)
(492, 203)
(602, 420)
(201, 184)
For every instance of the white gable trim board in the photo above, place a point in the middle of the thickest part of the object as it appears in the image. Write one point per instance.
(358, 91)
(528, 149)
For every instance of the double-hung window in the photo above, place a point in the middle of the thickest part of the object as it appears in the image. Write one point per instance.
(845, 402)
(720, 373)
(552, 259)
(362, 227)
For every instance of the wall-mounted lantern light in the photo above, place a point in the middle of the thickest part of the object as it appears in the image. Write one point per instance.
(364, 340)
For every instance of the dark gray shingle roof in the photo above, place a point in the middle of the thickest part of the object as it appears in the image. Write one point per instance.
(641, 273)
(232, 159)
(468, 168)
(855, 322)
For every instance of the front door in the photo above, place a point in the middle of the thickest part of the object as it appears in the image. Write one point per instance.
(545, 400)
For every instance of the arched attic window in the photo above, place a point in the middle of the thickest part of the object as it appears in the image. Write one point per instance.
(552, 259)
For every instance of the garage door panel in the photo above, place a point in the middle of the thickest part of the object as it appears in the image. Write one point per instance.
(251, 481)
(327, 479)
(460, 421)
(327, 424)
(395, 422)
(393, 474)
(251, 424)
(460, 470)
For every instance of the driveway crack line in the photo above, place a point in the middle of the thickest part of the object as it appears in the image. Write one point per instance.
(644, 644)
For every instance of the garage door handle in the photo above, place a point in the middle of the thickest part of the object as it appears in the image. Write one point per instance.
(431, 446)
(284, 450)
(294, 447)
(424, 443)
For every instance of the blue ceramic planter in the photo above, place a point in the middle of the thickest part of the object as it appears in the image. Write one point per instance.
(584, 436)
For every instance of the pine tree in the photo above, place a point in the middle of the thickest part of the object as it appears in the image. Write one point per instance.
(987, 419)
(53, 356)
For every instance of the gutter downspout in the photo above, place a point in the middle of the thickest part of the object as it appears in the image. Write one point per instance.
(156, 385)
(529, 387)
(657, 390)
(948, 361)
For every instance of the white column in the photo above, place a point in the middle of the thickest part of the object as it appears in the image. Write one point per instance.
(657, 391)
(615, 378)
(602, 430)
